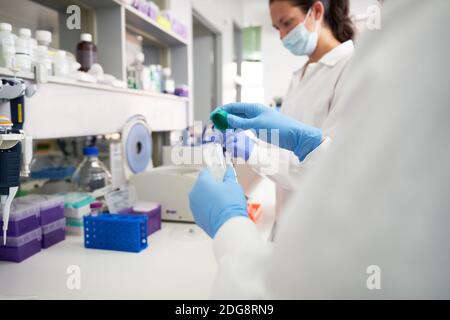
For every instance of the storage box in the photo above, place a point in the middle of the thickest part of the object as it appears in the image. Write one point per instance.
(23, 218)
(53, 233)
(20, 248)
(51, 206)
(151, 210)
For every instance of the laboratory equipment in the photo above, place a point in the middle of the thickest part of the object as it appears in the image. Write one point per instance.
(214, 160)
(15, 147)
(53, 233)
(91, 174)
(119, 232)
(51, 206)
(51, 213)
(170, 187)
(76, 206)
(132, 153)
(219, 118)
(151, 210)
(86, 52)
(17, 249)
(23, 218)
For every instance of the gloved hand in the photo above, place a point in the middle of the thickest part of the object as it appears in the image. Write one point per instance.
(214, 203)
(238, 144)
(293, 135)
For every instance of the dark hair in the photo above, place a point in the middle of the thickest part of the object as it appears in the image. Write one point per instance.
(337, 16)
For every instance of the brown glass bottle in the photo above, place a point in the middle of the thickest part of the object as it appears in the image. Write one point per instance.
(86, 52)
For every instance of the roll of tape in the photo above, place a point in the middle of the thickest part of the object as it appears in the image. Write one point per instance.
(137, 146)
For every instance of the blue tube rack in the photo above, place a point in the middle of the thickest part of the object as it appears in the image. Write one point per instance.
(118, 232)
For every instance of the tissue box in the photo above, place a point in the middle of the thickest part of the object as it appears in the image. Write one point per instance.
(20, 248)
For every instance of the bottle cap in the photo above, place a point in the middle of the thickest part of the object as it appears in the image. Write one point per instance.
(44, 36)
(90, 151)
(96, 205)
(5, 27)
(219, 118)
(87, 37)
(24, 32)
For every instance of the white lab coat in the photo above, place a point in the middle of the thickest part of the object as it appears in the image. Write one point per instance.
(310, 100)
(379, 197)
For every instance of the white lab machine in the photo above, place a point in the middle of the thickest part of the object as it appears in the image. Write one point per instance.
(169, 186)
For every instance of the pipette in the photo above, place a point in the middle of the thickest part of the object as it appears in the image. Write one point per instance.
(6, 206)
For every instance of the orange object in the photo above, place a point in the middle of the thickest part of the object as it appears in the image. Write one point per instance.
(254, 211)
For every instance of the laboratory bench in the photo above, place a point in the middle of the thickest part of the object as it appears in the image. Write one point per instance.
(178, 264)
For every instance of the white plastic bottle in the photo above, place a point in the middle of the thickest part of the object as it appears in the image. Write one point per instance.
(61, 64)
(44, 38)
(25, 50)
(43, 59)
(7, 46)
(168, 84)
(23, 55)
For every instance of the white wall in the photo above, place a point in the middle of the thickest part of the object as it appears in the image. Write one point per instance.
(222, 14)
(278, 62)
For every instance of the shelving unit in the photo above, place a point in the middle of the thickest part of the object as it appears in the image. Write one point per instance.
(67, 108)
(138, 20)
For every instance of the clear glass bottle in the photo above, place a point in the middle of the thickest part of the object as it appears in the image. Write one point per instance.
(91, 174)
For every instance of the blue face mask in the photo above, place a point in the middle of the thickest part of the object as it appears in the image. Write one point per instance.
(300, 41)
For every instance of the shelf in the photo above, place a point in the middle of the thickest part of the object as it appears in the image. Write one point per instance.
(66, 108)
(140, 21)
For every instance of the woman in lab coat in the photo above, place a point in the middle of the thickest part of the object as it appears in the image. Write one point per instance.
(323, 31)
(371, 220)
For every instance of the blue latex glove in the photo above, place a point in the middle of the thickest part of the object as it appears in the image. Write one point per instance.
(238, 144)
(214, 203)
(293, 135)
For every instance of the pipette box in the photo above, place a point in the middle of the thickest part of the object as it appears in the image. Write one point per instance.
(77, 205)
(53, 233)
(118, 232)
(18, 249)
(151, 210)
(23, 218)
(51, 206)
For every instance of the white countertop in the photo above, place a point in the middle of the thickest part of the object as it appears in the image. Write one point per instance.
(178, 264)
